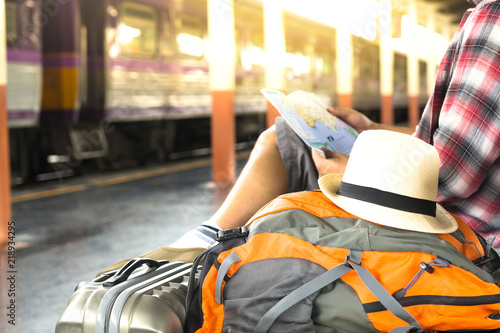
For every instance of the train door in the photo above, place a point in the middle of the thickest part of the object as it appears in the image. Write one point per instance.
(423, 95)
(400, 88)
(366, 76)
(24, 77)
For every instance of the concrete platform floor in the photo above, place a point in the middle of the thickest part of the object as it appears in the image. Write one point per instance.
(64, 239)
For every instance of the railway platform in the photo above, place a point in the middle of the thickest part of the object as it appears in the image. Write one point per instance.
(69, 230)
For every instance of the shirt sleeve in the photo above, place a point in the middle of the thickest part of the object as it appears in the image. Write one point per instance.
(467, 136)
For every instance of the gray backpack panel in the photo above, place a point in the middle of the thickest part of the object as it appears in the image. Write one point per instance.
(244, 306)
(357, 234)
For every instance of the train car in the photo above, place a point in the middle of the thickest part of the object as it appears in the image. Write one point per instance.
(24, 60)
(138, 77)
(152, 78)
(115, 83)
(64, 73)
(24, 76)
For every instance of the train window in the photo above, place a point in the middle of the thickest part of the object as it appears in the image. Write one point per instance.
(325, 63)
(258, 39)
(30, 12)
(11, 20)
(167, 37)
(190, 36)
(137, 30)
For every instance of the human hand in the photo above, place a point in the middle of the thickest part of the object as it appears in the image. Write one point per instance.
(331, 163)
(356, 119)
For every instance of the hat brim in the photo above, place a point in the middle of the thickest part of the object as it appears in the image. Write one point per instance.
(442, 223)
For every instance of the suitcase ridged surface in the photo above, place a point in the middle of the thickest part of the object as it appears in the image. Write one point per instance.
(152, 301)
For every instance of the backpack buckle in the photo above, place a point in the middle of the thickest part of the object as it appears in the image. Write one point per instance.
(354, 257)
(483, 261)
(224, 235)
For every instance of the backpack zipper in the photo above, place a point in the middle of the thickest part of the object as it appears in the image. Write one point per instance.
(437, 300)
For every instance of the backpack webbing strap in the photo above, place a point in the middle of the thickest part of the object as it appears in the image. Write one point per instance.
(224, 267)
(405, 329)
(353, 261)
(299, 294)
(387, 300)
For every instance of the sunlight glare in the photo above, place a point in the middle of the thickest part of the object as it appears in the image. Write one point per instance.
(419, 40)
(190, 45)
(356, 16)
(127, 34)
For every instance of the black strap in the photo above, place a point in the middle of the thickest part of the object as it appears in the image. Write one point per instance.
(388, 199)
(192, 275)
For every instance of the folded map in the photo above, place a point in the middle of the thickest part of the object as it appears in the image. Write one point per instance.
(308, 117)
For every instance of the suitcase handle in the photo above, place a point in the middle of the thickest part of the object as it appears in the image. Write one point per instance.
(124, 273)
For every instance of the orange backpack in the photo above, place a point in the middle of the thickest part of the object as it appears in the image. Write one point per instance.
(308, 266)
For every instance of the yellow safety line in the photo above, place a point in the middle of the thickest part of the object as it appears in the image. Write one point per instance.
(116, 180)
(151, 173)
(47, 193)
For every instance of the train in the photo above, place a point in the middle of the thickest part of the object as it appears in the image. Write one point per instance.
(108, 84)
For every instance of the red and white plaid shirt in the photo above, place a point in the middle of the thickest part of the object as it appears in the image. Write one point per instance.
(462, 120)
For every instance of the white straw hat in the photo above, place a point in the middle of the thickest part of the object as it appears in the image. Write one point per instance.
(391, 179)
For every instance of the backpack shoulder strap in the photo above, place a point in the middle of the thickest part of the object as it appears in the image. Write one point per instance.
(472, 248)
(313, 202)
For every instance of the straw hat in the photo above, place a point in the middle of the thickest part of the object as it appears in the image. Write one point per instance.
(391, 179)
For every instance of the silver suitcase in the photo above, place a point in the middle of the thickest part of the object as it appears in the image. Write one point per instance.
(143, 296)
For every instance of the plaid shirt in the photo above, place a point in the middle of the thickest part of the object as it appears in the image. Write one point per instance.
(462, 120)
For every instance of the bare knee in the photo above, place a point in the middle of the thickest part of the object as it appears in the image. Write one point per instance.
(267, 139)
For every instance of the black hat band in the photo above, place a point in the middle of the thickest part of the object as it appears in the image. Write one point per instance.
(388, 199)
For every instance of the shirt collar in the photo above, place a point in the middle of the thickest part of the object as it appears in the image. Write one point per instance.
(475, 2)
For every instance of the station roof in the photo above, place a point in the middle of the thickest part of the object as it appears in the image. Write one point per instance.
(454, 8)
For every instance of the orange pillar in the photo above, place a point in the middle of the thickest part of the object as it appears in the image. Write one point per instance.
(7, 272)
(274, 46)
(5, 207)
(222, 76)
(345, 100)
(344, 68)
(387, 110)
(223, 136)
(386, 64)
(271, 114)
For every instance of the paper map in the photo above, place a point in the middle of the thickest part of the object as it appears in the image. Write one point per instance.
(308, 117)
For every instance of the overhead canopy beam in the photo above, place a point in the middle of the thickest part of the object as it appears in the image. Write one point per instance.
(454, 8)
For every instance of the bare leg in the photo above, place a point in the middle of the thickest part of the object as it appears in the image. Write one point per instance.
(263, 178)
